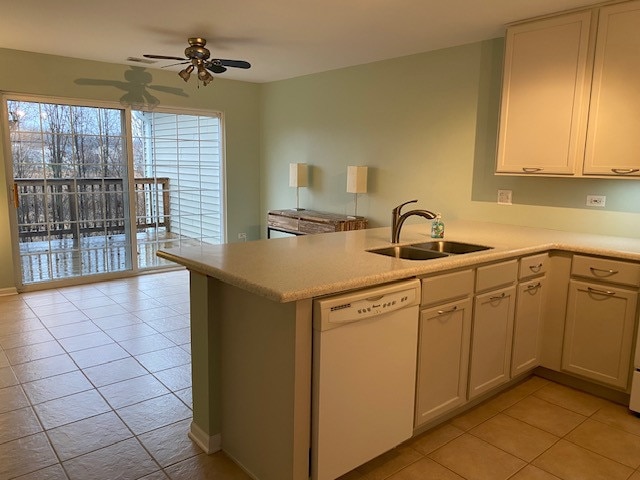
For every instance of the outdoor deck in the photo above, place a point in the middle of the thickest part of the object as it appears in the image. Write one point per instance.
(57, 259)
(71, 227)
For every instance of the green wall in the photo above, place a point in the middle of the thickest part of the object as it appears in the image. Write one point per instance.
(34, 74)
(426, 125)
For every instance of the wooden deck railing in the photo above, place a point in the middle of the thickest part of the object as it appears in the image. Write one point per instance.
(74, 207)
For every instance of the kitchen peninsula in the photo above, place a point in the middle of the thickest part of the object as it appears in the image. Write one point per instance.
(251, 320)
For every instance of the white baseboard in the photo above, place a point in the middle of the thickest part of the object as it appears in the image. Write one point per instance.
(210, 444)
(8, 291)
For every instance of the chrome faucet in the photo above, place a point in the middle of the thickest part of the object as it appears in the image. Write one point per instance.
(397, 219)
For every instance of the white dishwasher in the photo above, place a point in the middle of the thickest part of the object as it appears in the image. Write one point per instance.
(364, 375)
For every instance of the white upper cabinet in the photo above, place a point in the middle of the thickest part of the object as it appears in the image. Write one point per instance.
(570, 97)
(613, 143)
(544, 96)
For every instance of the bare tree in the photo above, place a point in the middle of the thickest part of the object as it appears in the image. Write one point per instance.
(113, 161)
(55, 122)
(111, 152)
(56, 129)
(26, 148)
(78, 125)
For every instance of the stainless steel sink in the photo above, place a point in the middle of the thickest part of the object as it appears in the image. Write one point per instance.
(429, 250)
(407, 252)
(455, 248)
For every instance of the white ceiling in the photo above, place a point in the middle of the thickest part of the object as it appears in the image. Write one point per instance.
(280, 38)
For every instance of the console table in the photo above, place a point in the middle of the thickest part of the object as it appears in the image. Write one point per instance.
(303, 222)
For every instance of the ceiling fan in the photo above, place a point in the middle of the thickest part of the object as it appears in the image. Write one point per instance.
(197, 56)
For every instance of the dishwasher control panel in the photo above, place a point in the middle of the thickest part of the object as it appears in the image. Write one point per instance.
(352, 307)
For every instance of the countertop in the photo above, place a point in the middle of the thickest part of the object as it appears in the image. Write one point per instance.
(296, 268)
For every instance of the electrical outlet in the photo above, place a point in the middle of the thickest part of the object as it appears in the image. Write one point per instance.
(596, 200)
(504, 197)
(242, 236)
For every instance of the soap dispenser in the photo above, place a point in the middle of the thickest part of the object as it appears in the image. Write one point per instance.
(437, 227)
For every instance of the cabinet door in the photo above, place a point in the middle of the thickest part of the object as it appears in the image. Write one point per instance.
(613, 143)
(491, 340)
(544, 96)
(527, 327)
(599, 332)
(443, 359)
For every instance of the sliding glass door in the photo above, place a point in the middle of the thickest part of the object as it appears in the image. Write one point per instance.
(98, 190)
(70, 190)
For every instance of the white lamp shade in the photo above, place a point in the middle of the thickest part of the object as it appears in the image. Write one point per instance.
(356, 179)
(298, 175)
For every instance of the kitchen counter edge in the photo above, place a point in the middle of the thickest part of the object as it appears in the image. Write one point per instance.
(298, 268)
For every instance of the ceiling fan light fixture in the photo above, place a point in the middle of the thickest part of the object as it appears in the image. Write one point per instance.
(203, 75)
(186, 73)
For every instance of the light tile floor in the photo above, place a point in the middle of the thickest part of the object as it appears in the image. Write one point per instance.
(95, 384)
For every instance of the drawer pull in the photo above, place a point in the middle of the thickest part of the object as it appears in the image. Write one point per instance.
(531, 169)
(497, 297)
(602, 272)
(533, 286)
(451, 310)
(535, 268)
(601, 292)
(624, 171)
(16, 195)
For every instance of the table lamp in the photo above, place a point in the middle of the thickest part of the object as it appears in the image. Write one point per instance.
(298, 177)
(356, 182)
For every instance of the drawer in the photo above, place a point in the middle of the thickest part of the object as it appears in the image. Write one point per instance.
(279, 221)
(533, 265)
(447, 287)
(605, 270)
(496, 275)
(306, 226)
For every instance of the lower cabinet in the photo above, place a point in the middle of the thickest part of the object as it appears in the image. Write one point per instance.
(598, 333)
(469, 345)
(443, 359)
(491, 340)
(527, 327)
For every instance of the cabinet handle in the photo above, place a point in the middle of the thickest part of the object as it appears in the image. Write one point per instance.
(601, 292)
(535, 268)
(624, 171)
(605, 271)
(531, 169)
(498, 297)
(533, 286)
(16, 195)
(451, 310)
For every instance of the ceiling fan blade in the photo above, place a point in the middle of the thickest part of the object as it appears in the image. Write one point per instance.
(235, 63)
(215, 67)
(164, 57)
(174, 64)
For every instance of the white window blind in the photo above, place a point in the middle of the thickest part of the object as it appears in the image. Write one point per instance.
(186, 149)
